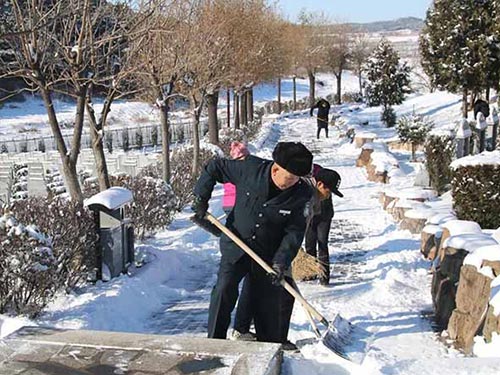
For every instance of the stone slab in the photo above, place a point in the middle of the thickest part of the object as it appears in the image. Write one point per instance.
(38, 350)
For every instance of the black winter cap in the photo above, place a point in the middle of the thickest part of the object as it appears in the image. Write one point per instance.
(331, 179)
(294, 157)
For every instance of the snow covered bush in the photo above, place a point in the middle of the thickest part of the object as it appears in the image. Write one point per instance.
(439, 152)
(55, 252)
(28, 268)
(252, 128)
(72, 231)
(476, 195)
(181, 180)
(228, 135)
(414, 130)
(352, 97)
(387, 80)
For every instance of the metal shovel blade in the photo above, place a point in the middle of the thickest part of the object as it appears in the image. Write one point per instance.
(337, 336)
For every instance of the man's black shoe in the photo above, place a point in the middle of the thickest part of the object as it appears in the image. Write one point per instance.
(289, 346)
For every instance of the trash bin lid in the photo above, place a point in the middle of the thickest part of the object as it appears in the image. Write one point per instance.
(112, 198)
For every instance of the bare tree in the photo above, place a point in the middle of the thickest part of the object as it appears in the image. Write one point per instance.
(207, 51)
(49, 41)
(314, 29)
(360, 50)
(338, 52)
(159, 56)
(72, 48)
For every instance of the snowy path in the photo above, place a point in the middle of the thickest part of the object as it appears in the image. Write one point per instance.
(379, 280)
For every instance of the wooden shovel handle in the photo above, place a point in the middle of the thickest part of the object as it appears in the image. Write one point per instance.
(308, 307)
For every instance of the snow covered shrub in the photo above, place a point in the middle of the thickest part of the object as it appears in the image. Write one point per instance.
(228, 135)
(252, 128)
(154, 201)
(439, 152)
(125, 140)
(181, 180)
(65, 259)
(28, 268)
(154, 204)
(388, 117)
(475, 194)
(414, 129)
(352, 97)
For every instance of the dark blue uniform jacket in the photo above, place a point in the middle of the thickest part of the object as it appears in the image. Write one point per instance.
(273, 228)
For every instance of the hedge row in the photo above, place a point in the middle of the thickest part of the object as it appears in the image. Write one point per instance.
(476, 194)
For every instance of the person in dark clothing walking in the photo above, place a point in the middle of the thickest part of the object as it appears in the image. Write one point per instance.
(320, 217)
(269, 217)
(322, 116)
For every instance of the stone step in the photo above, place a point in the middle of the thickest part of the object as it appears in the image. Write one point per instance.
(51, 351)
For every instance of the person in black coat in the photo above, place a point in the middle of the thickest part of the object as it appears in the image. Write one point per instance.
(269, 217)
(322, 117)
(320, 217)
(481, 106)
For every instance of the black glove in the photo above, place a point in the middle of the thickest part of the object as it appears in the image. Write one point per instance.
(280, 274)
(199, 207)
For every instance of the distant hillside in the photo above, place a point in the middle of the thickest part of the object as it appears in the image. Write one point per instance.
(410, 23)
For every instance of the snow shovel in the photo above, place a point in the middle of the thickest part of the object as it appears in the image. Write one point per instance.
(337, 334)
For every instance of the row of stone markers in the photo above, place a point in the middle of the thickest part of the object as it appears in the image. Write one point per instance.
(464, 259)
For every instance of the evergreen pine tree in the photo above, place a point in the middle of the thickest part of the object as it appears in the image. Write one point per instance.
(458, 46)
(387, 80)
(414, 130)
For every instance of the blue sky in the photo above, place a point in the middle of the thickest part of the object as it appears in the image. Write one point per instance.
(357, 10)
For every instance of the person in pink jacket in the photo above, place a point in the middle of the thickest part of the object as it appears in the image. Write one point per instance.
(239, 151)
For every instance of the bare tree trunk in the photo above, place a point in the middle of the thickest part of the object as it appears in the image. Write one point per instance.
(228, 107)
(96, 136)
(165, 142)
(294, 80)
(487, 94)
(236, 109)
(339, 87)
(69, 168)
(195, 116)
(243, 108)
(413, 150)
(213, 124)
(279, 95)
(312, 88)
(464, 104)
(250, 105)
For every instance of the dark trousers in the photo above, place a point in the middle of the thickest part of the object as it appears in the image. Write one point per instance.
(317, 242)
(322, 125)
(271, 305)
